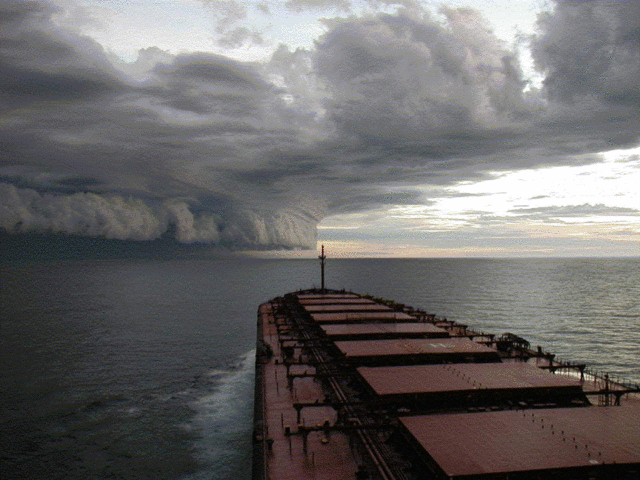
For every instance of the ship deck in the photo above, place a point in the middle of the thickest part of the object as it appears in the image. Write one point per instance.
(349, 387)
(289, 455)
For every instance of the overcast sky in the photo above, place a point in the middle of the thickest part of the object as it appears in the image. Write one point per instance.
(393, 128)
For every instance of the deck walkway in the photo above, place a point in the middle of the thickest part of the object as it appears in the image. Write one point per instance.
(327, 456)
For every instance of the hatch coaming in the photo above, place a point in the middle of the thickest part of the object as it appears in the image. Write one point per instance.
(338, 399)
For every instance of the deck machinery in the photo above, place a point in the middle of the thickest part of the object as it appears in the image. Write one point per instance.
(353, 387)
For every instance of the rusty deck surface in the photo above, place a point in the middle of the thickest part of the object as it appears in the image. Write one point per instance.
(331, 296)
(326, 456)
(335, 301)
(472, 445)
(335, 409)
(382, 330)
(347, 307)
(356, 317)
(411, 379)
(429, 349)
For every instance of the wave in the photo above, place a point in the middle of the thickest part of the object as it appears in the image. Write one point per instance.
(224, 420)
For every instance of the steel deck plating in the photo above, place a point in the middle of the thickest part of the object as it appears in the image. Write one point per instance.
(352, 387)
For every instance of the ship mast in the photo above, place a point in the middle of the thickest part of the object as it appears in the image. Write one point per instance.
(322, 258)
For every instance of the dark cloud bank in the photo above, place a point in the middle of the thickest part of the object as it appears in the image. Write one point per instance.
(204, 149)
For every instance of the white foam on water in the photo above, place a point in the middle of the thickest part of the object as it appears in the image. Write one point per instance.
(224, 419)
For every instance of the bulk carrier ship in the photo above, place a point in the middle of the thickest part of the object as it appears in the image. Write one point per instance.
(354, 387)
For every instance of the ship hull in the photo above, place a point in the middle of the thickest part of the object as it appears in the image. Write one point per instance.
(348, 386)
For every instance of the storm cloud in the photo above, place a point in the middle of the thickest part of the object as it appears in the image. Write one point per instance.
(254, 155)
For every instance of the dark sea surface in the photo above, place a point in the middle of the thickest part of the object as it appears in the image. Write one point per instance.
(143, 369)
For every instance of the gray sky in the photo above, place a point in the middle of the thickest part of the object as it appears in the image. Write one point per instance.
(478, 128)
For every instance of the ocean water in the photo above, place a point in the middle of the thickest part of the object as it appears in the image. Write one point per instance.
(143, 369)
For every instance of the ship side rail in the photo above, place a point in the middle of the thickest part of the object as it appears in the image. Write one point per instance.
(608, 389)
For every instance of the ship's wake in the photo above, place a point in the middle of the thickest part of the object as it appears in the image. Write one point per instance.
(224, 419)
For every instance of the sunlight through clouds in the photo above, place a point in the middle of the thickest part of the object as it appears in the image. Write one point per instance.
(595, 202)
(612, 182)
(489, 127)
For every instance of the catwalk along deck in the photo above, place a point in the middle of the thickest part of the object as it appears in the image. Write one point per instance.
(352, 387)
